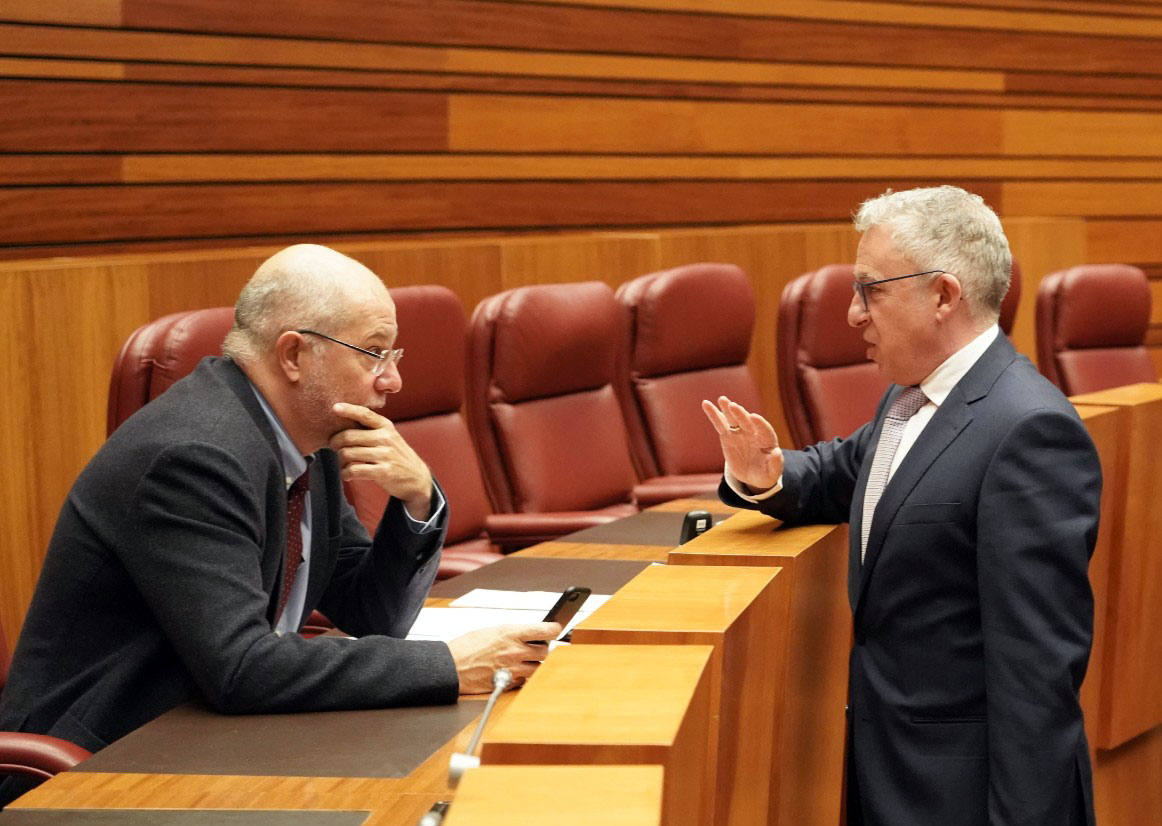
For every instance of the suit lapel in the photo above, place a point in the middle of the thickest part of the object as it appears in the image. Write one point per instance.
(949, 421)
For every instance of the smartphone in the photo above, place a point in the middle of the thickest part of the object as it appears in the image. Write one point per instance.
(567, 604)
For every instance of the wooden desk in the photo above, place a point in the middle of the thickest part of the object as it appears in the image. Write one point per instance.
(618, 704)
(558, 796)
(1133, 644)
(810, 748)
(647, 536)
(742, 613)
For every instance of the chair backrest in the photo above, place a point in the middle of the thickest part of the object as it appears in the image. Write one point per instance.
(1091, 327)
(159, 353)
(826, 383)
(690, 331)
(427, 411)
(543, 362)
(1012, 299)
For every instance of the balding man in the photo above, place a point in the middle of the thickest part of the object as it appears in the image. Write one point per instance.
(167, 578)
(973, 502)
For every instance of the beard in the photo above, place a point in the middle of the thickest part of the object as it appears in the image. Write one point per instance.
(319, 392)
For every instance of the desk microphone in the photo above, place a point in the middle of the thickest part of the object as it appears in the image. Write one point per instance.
(695, 523)
(467, 759)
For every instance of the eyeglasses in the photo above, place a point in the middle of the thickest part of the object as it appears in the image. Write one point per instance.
(860, 287)
(382, 357)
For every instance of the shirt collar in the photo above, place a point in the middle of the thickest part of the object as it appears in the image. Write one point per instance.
(941, 380)
(294, 464)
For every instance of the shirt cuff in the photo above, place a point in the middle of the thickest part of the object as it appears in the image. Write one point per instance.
(741, 489)
(433, 521)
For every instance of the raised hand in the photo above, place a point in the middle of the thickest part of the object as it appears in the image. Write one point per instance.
(749, 444)
(374, 450)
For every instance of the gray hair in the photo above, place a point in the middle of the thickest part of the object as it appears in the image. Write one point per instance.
(303, 286)
(946, 228)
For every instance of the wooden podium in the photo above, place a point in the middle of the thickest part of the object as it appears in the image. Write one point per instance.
(618, 704)
(809, 751)
(558, 796)
(1122, 693)
(742, 613)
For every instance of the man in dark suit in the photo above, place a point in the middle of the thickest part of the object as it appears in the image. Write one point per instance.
(168, 579)
(973, 503)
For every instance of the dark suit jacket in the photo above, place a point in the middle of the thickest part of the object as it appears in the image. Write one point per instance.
(973, 615)
(161, 580)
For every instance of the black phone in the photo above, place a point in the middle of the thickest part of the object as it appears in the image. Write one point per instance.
(567, 605)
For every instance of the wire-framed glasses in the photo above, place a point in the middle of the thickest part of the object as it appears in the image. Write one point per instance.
(860, 287)
(382, 357)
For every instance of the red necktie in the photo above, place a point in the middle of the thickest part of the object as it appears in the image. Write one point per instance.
(295, 499)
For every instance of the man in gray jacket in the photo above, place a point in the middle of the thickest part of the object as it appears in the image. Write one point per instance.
(168, 579)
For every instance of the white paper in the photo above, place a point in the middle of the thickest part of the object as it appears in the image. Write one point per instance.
(484, 608)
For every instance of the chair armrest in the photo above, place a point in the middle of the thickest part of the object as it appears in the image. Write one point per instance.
(666, 488)
(37, 755)
(513, 531)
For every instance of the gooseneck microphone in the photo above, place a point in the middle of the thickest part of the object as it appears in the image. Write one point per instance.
(467, 759)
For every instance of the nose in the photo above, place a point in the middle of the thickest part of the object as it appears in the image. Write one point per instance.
(389, 381)
(857, 315)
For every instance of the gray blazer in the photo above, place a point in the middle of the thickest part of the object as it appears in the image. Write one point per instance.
(161, 581)
(973, 615)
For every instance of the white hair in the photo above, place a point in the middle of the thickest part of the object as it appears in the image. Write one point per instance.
(946, 228)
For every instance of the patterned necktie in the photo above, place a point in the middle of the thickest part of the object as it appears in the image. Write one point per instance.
(295, 499)
(902, 409)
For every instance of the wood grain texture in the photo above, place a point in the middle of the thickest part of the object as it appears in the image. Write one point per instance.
(743, 612)
(618, 705)
(809, 755)
(1098, 691)
(526, 795)
(42, 115)
(1132, 644)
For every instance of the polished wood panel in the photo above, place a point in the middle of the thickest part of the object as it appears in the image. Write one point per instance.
(743, 613)
(235, 211)
(618, 704)
(562, 795)
(42, 116)
(549, 124)
(809, 755)
(1098, 691)
(1132, 646)
(1034, 42)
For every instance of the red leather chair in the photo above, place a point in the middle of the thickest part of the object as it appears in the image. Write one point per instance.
(1091, 327)
(159, 353)
(543, 362)
(826, 383)
(427, 414)
(690, 330)
(34, 756)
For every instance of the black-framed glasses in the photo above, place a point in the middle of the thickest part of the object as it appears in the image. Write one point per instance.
(860, 287)
(382, 357)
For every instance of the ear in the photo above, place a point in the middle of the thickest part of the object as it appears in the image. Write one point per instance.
(948, 296)
(288, 350)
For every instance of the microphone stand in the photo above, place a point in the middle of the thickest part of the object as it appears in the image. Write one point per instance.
(467, 759)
